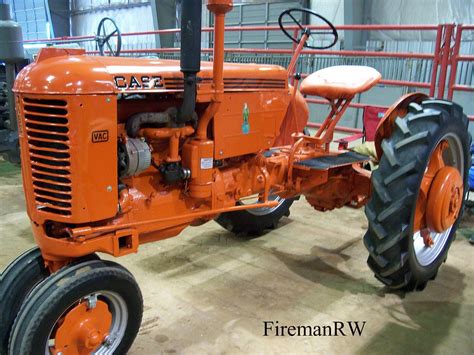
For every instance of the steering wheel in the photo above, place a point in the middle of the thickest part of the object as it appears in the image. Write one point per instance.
(104, 37)
(290, 13)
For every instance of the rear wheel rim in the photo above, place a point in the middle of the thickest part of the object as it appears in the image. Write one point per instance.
(426, 254)
(263, 211)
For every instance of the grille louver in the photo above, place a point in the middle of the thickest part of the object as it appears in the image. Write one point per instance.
(232, 83)
(174, 84)
(254, 84)
(47, 130)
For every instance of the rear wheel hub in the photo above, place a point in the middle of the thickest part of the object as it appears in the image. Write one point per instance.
(444, 199)
(440, 198)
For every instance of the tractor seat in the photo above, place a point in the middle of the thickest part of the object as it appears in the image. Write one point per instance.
(340, 82)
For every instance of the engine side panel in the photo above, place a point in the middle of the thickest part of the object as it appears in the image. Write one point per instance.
(249, 122)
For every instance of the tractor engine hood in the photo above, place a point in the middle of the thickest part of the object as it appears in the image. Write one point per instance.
(60, 71)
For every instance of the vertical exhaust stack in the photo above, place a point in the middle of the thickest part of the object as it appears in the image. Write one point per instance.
(191, 14)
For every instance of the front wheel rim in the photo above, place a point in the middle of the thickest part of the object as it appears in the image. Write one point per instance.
(110, 341)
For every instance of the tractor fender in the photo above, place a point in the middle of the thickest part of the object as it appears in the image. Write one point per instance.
(398, 109)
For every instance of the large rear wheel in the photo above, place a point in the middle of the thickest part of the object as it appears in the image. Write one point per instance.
(418, 194)
(255, 221)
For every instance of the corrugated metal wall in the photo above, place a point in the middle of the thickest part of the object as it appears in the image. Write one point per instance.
(34, 18)
(262, 13)
(407, 12)
(130, 16)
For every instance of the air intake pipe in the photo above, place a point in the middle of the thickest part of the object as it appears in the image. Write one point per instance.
(191, 13)
(219, 8)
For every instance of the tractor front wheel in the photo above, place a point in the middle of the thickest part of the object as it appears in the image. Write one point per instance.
(16, 282)
(91, 307)
(418, 194)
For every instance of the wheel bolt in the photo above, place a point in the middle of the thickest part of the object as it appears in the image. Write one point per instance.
(108, 341)
(92, 301)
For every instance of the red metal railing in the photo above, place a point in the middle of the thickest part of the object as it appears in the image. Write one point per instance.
(445, 57)
(455, 58)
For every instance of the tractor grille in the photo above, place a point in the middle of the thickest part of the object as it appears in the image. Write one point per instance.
(47, 131)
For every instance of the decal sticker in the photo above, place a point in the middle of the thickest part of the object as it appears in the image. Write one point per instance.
(246, 124)
(100, 136)
(207, 163)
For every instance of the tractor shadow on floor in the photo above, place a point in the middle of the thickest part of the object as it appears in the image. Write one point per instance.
(249, 237)
(201, 252)
(323, 266)
(428, 318)
(192, 255)
(264, 279)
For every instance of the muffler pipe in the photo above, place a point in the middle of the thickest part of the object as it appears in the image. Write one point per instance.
(191, 28)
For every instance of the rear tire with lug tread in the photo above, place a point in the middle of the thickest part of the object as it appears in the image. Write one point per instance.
(394, 255)
(255, 222)
(49, 305)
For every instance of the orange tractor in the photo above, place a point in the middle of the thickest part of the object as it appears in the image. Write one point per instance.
(117, 152)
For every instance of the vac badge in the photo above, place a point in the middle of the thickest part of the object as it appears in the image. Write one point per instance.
(100, 136)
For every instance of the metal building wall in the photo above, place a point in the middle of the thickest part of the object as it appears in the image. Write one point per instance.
(402, 12)
(258, 13)
(130, 16)
(60, 17)
(34, 18)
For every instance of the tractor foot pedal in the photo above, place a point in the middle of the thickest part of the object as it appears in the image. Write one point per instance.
(332, 161)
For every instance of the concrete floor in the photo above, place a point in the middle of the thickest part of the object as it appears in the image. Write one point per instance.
(208, 291)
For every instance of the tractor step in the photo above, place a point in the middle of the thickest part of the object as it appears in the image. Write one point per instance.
(332, 161)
